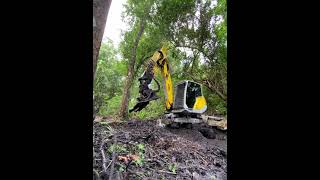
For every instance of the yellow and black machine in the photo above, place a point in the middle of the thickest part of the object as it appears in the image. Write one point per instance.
(185, 104)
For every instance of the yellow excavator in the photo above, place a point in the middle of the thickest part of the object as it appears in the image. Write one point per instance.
(188, 104)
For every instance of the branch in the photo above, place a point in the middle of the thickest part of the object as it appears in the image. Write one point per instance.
(208, 84)
(104, 160)
(136, 43)
(163, 171)
(177, 45)
(113, 159)
(194, 59)
(96, 173)
(139, 65)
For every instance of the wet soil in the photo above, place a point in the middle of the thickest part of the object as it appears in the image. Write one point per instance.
(145, 150)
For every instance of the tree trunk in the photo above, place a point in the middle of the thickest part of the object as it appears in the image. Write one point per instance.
(216, 90)
(123, 113)
(100, 14)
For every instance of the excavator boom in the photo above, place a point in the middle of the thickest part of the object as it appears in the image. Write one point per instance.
(167, 82)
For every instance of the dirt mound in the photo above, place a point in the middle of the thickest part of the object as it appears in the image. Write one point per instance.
(143, 150)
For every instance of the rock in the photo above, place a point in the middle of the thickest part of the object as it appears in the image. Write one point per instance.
(132, 122)
(223, 153)
(174, 125)
(208, 133)
(97, 119)
(188, 172)
(195, 176)
(160, 124)
(126, 135)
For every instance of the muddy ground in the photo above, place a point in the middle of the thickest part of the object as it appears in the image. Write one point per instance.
(145, 150)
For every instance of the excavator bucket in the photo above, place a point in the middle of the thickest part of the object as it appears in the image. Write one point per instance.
(146, 95)
(142, 104)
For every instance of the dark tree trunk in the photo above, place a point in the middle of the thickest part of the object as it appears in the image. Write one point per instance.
(100, 14)
(123, 112)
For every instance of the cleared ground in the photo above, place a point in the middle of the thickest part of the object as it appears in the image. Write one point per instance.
(145, 150)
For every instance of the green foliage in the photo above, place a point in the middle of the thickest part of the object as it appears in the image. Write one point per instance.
(140, 147)
(200, 28)
(215, 105)
(108, 82)
(172, 167)
(140, 150)
(121, 168)
(153, 110)
(213, 177)
(196, 32)
(140, 161)
(112, 105)
(117, 148)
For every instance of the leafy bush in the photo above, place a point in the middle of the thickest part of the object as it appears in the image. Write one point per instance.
(214, 103)
(109, 80)
(153, 110)
(111, 106)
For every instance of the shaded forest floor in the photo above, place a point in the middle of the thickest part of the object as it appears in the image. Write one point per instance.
(145, 150)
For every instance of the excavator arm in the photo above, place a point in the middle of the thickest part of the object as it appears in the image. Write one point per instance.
(158, 62)
(164, 67)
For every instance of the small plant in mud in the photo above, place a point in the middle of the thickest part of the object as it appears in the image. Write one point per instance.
(172, 168)
(213, 178)
(122, 168)
(103, 123)
(140, 160)
(140, 147)
(117, 148)
(108, 129)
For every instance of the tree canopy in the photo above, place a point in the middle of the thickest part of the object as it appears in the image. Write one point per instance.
(196, 33)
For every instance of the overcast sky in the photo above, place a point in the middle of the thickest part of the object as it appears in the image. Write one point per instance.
(114, 23)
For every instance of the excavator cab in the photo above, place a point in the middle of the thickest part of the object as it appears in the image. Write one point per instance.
(189, 103)
(189, 98)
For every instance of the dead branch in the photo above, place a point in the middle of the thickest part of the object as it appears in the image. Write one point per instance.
(96, 173)
(109, 164)
(163, 171)
(104, 160)
(199, 155)
(113, 159)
